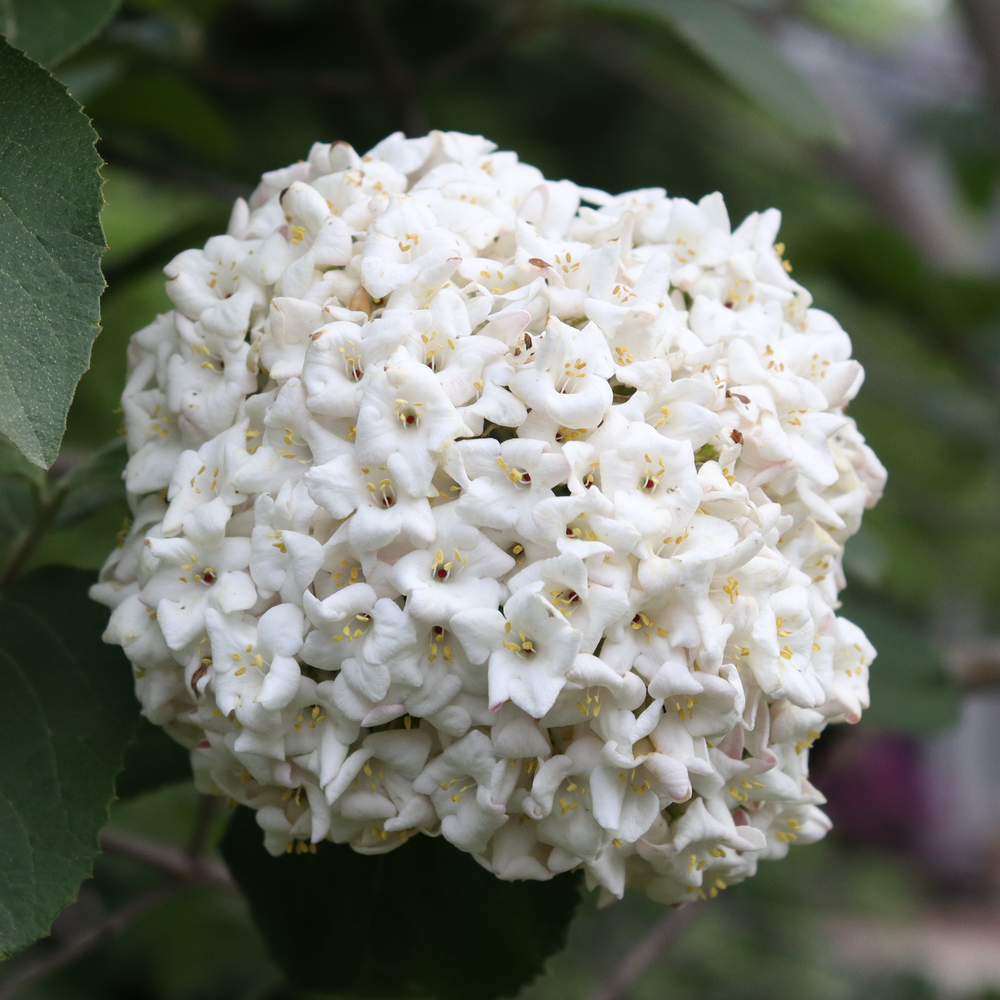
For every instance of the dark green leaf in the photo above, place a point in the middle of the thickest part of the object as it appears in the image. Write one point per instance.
(93, 483)
(424, 920)
(49, 30)
(728, 40)
(13, 463)
(20, 485)
(66, 713)
(17, 507)
(910, 691)
(50, 248)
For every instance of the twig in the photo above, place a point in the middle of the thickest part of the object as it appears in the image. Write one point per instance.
(658, 939)
(25, 544)
(61, 955)
(208, 809)
(183, 867)
(396, 86)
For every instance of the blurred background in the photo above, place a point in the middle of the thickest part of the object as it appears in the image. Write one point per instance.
(874, 125)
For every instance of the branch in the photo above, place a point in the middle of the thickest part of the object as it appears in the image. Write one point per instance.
(208, 809)
(183, 868)
(61, 955)
(658, 939)
(46, 509)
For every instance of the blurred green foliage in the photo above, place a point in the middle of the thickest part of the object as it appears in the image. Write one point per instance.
(193, 99)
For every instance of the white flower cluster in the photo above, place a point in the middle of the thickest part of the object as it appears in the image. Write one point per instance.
(475, 504)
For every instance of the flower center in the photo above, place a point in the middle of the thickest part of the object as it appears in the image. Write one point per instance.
(437, 642)
(383, 494)
(456, 796)
(441, 570)
(564, 600)
(646, 625)
(571, 370)
(569, 434)
(159, 424)
(623, 356)
(650, 478)
(685, 707)
(665, 410)
(350, 633)
(346, 574)
(581, 531)
(519, 477)
(408, 413)
(436, 357)
(526, 646)
(353, 363)
(674, 540)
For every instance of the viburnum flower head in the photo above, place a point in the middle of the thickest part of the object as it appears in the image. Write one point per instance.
(473, 504)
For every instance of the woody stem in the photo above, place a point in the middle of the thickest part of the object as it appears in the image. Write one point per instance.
(28, 540)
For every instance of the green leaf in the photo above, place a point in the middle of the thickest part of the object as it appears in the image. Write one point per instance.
(15, 465)
(93, 484)
(739, 51)
(424, 920)
(66, 712)
(910, 690)
(17, 507)
(49, 30)
(50, 248)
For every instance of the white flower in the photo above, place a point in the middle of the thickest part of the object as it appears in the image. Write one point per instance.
(381, 509)
(458, 575)
(531, 647)
(255, 664)
(566, 382)
(191, 577)
(504, 482)
(476, 504)
(284, 557)
(405, 423)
